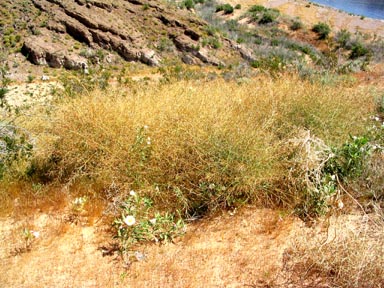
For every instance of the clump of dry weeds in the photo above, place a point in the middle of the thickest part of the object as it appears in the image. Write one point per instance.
(347, 253)
(193, 146)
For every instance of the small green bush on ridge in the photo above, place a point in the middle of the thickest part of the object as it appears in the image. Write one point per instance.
(322, 30)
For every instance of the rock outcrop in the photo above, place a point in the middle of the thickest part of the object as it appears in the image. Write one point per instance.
(137, 30)
(43, 53)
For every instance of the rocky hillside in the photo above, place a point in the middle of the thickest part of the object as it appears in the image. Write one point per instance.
(72, 33)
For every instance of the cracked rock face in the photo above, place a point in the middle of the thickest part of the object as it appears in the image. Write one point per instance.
(137, 30)
(43, 53)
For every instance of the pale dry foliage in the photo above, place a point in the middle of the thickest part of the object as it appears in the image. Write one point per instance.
(194, 145)
(348, 252)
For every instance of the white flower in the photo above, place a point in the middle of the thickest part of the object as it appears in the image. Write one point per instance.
(340, 204)
(333, 177)
(35, 234)
(153, 221)
(148, 141)
(129, 220)
(140, 256)
(132, 193)
(146, 127)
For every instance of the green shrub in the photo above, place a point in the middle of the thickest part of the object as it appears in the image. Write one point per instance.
(257, 8)
(349, 159)
(268, 17)
(322, 30)
(189, 4)
(275, 42)
(343, 38)
(358, 50)
(211, 30)
(14, 146)
(238, 6)
(227, 8)
(296, 25)
(214, 42)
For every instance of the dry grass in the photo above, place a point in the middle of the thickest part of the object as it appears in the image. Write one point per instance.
(211, 145)
(207, 145)
(348, 253)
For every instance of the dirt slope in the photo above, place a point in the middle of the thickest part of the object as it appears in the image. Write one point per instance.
(227, 251)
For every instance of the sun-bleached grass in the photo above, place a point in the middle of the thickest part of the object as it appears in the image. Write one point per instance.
(193, 146)
(349, 253)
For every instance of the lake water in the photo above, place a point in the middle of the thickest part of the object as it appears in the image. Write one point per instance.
(368, 8)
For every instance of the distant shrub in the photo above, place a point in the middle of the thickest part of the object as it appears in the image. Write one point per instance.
(263, 15)
(296, 25)
(214, 42)
(343, 38)
(145, 6)
(322, 30)
(15, 145)
(257, 8)
(189, 4)
(238, 6)
(227, 8)
(211, 30)
(268, 17)
(232, 25)
(358, 50)
(258, 41)
(275, 42)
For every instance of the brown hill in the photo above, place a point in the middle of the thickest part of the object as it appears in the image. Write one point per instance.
(69, 33)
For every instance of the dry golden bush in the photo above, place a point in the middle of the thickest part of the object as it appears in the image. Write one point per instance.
(193, 145)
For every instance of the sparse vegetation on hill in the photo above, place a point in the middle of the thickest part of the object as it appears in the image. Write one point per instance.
(266, 114)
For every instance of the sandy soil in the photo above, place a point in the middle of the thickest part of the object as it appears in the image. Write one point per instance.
(226, 251)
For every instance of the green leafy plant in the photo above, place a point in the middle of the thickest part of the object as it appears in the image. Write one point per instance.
(29, 237)
(14, 146)
(4, 86)
(319, 171)
(139, 222)
(349, 159)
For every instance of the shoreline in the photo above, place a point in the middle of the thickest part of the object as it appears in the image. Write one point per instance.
(342, 11)
(311, 13)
